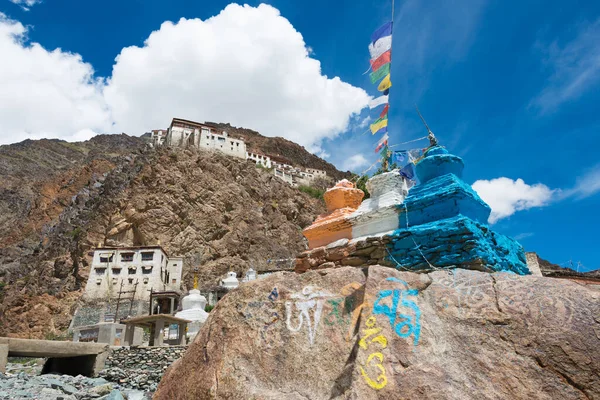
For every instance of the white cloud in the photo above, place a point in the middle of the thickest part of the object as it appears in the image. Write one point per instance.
(575, 68)
(506, 196)
(26, 4)
(354, 162)
(585, 186)
(46, 93)
(247, 66)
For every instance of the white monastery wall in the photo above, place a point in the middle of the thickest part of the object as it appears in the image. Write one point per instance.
(148, 266)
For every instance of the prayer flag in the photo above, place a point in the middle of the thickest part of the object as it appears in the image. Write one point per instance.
(408, 171)
(382, 130)
(384, 30)
(384, 111)
(386, 92)
(380, 73)
(383, 139)
(378, 101)
(379, 146)
(377, 125)
(400, 157)
(380, 46)
(386, 83)
(381, 60)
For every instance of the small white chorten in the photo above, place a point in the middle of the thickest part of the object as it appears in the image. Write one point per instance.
(250, 275)
(231, 281)
(193, 310)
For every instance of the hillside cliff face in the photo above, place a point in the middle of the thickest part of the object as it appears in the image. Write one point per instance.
(58, 200)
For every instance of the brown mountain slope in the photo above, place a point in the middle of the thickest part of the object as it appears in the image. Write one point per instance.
(219, 212)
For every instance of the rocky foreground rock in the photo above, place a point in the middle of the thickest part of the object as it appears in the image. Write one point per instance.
(351, 333)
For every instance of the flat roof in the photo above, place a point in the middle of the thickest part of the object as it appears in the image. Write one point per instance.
(147, 320)
(187, 121)
(154, 247)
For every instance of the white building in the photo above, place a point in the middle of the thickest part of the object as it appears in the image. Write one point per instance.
(183, 133)
(157, 137)
(259, 158)
(231, 281)
(315, 172)
(131, 269)
(284, 175)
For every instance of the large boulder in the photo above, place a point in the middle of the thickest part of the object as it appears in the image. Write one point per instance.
(381, 333)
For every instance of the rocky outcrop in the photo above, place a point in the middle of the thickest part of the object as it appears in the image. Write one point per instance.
(381, 333)
(58, 200)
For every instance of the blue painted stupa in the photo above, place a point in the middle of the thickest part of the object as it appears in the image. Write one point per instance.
(443, 222)
(439, 223)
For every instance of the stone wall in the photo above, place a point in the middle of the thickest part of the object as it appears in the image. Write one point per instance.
(94, 312)
(140, 367)
(369, 251)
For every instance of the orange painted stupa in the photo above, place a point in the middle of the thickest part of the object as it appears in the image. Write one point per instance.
(341, 200)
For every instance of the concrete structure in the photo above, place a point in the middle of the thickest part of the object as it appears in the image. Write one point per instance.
(316, 172)
(259, 158)
(136, 270)
(440, 223)
(110, 333)
(158, 324)
(533, 264)
(166, 302)
(184, 133)
(158, 137)
(250, 275)
(62, 357)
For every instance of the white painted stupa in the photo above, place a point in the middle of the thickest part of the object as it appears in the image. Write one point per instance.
(193, 310)
(231, 281)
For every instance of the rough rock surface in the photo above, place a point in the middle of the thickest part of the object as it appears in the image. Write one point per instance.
(58, 200)
(380, 333)
(63, 387)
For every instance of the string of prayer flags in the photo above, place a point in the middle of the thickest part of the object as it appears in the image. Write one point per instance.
(384, 111)
(383, 59)
(378, 101)
(385, 84)
(378, 124)
(382, 31)
(382, 142)
(380, 73)
(379, 47)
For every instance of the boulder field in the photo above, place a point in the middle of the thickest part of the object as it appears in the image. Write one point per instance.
(352, 333)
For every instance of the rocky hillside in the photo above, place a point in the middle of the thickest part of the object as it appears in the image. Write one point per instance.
(556, 271)
(58, 200)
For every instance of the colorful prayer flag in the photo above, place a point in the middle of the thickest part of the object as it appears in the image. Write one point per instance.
(380, 73)
(383, 139)
(377, 125)
(384, 111)
(384, 30)
(378, 101)
(382, 130)
(408, 171)
(381, 60)
(380, 46)
(386, 83)
(379, 146)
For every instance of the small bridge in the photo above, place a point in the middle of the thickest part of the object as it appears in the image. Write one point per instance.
(62, 357)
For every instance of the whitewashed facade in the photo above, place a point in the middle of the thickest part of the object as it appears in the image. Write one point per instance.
(150, 267)
(158, 137)
(259, 158)
(183, 133)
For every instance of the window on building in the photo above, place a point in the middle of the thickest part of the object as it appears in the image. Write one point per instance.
(232, 143)
(147, 270)
(106, 258)
(174, 281)
(212, 137)
(127, 257)
(116, 271)
(131, 271)
(100, 271)
(147, 256)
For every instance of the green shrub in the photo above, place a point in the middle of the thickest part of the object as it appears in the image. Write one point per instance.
(208, 308)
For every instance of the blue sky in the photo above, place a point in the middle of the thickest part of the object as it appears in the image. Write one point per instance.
(512, 90)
